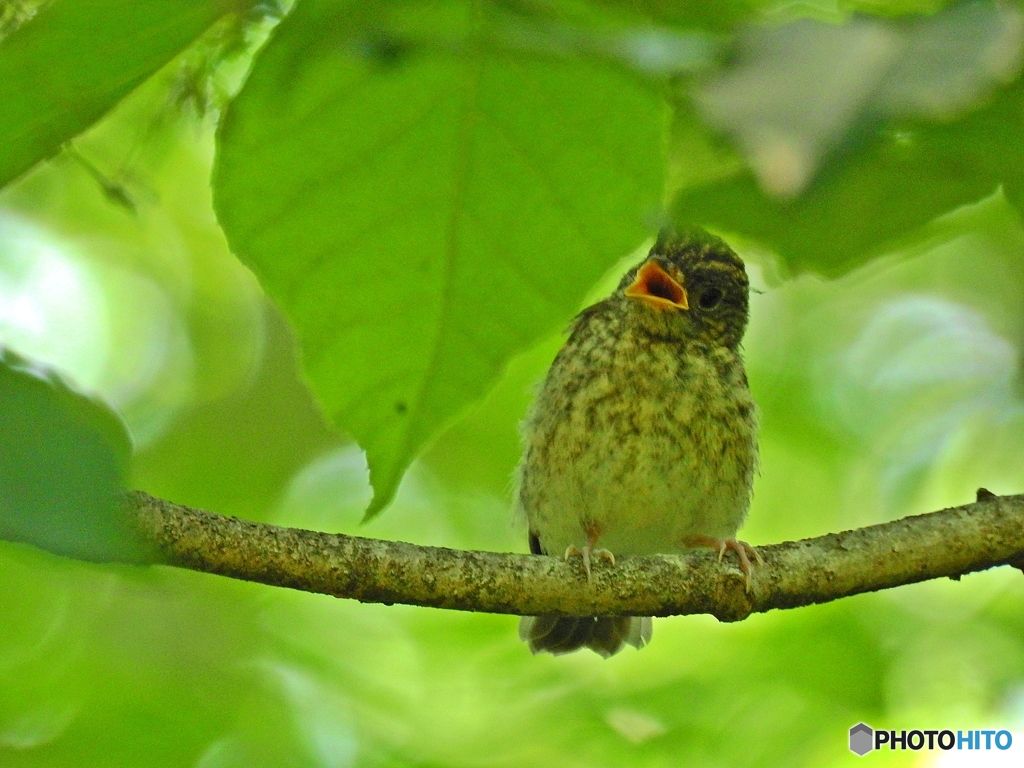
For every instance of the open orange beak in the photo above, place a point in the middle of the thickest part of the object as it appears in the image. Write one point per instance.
(658, 288)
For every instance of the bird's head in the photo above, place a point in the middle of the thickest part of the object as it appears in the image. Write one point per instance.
(691, 286)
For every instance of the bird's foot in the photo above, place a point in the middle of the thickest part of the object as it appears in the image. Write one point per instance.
(587, 553)
(744, 552)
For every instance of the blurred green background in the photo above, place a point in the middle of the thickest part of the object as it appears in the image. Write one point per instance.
(864, 158)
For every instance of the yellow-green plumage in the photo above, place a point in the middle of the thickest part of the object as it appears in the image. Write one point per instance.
(643, 435)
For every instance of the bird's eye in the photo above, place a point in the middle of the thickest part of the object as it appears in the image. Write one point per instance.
(709, 299)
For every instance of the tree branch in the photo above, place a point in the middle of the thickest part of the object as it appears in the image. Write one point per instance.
(948, 543)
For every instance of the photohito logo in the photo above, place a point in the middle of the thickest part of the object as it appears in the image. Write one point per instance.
(864, 739)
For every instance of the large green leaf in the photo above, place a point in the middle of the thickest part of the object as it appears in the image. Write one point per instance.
(62, 461)
(66, 68)
(422, 206)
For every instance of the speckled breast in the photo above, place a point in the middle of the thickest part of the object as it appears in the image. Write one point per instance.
(642, 439)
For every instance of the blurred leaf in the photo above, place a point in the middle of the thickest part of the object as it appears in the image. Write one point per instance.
(900, 179)
(725, 17)
(236, 453)
(719, 17)
(792, 94)
(894, 7)
(64, 69)
(62, 460)
(422, 216)
(792, 104)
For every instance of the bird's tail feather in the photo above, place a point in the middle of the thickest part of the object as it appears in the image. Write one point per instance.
(605, 635)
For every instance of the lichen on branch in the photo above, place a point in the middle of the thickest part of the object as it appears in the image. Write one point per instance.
(948, 543)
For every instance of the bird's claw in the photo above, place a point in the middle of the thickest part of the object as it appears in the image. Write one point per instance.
(604, 554)
(587, 553)
(744, 553)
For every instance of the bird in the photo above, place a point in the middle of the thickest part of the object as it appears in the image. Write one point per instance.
(642, 437)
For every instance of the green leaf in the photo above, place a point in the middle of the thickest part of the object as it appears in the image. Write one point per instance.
(423, 207)
(62, 461)
(66, 68)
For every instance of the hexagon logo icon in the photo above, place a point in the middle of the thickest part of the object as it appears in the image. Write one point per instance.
(862, 739)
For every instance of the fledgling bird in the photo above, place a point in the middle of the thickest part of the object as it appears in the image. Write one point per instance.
(643, 437)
